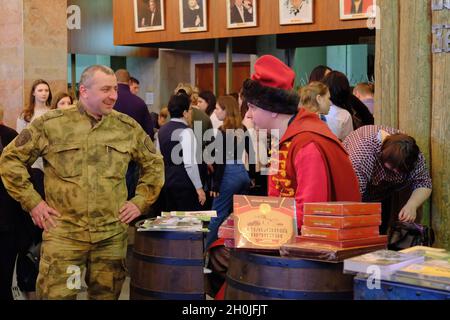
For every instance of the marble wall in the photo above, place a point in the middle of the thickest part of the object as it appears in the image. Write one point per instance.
(33, 45)
(11, 59)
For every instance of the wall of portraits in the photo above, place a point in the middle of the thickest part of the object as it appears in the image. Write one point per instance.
(159, 21)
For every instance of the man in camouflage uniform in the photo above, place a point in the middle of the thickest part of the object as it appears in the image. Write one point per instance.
(86, 152)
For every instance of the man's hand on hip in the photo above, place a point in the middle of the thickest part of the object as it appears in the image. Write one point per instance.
(42, 215)
(129, 212)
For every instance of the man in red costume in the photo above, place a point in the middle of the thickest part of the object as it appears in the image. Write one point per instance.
(311, 163)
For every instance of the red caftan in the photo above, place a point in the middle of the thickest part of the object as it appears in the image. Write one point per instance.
(313, 166)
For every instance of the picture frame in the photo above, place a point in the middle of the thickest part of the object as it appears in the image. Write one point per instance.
(241, 13)
(296, 11)
(356, 9)
(193, 17)
(148, 15)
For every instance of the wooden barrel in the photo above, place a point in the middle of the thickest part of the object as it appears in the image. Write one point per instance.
(255, 276)
(167, 265)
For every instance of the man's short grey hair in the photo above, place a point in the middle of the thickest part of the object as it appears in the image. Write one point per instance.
(88, 73)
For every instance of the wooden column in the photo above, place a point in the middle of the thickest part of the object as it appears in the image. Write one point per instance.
(414, 86)
(440, 131)
(386, 64)
(412, 91)
(33, 45)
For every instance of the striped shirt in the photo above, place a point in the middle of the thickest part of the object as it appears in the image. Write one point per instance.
(375, 181)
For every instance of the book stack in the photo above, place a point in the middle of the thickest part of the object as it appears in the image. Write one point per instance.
(382, 262)
(433, 273)
(187, 221)
(342, 224)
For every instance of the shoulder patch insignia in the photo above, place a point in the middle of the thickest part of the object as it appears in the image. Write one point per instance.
(23, 138)
(149, 144)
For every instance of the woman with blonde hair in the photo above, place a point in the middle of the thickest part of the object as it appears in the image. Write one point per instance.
(230, 176)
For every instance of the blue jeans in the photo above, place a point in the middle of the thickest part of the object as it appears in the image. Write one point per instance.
(235, 181)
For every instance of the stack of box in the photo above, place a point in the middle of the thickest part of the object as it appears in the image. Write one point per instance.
(226, 231)
(342, 224)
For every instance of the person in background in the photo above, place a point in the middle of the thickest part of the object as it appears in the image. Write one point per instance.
(134, 86)
(386, 160)
(201, 124)
(61, 100)
(40, 98)
(194, 97)
(136, 108)
(163, 117)
(39, 101)
(317, 167)
(207, 103)
(183, 189)
(131, 104)
(319, 73)
(339, 119)
(10, 225)
(86, 213)
(365, 91)
(342, 97)
(230, 176)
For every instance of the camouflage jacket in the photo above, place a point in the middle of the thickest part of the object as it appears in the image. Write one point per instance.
(85, 162)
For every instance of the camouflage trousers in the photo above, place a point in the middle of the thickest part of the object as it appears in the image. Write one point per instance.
(63, 262)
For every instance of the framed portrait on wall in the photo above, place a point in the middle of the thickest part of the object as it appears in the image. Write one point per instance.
(356, 9)
(241, 13)
(296, 11)
(148, 15)
(193, 16)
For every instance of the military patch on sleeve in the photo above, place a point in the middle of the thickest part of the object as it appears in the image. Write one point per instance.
(149, 144)
(23, 138)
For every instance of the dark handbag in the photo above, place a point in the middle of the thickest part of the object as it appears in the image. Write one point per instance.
(34, 255)
(28, 268)
(404, 235)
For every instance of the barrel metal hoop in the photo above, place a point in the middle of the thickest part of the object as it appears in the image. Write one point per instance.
(172, 235)
(288, 294)
(170, 261)
(292, 263)
(167, 295)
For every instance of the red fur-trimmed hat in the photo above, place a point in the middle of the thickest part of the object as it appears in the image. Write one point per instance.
(271, 86)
